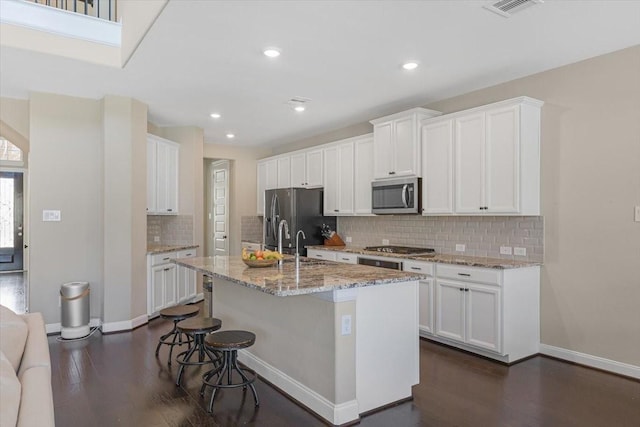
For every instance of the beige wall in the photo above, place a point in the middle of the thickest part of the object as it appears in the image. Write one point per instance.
(242, 184)
(15, 113)
(336, 135)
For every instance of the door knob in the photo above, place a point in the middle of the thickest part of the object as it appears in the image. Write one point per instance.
(224, 237)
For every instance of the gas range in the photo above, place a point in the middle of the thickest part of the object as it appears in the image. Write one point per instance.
(402, 250)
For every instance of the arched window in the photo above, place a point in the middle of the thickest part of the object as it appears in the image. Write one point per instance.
(9, 152)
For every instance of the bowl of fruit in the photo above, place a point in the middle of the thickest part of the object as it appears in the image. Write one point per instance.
(260, 258)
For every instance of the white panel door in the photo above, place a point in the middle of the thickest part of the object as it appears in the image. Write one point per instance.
(405, 151)
(437, 168)
(299, 170)
(426, 315)
(345, 178)
(151, 176)
(383, 150)
(331, 190)
(170, 284)
(503, 161)
(261, 186)
(284, 172)
(483, 317)
(469, 152)
(450, 309)
(220, 177)
(314, 168)
(363, 153)
(157, 288)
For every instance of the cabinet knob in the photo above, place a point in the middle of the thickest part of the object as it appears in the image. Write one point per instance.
(169, 210)
(392, 173)
(466, 289)
(336, 210)
(461, 289)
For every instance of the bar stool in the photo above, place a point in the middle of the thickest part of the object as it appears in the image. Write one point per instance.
(177, 314)
(228, 343)
(197, 328)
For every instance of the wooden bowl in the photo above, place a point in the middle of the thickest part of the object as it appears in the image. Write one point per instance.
(258, 263)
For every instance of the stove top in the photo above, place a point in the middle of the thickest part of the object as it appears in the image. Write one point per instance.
(399, 249)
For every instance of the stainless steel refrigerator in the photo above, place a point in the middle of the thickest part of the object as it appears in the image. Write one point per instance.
(302, 209)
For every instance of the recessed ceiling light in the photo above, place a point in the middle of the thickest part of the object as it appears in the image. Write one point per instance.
(272, 52)
(215, 115)
(299, 108)
(230, 136)
(410, 65)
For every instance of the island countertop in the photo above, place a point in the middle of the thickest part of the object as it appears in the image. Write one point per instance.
(313, 276)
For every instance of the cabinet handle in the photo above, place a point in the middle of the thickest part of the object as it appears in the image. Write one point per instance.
(461, 289)
(464, 274)
(466, 289)
(166, 259)
(392, 173)
(169, 210)
(319, 256)
(416, 268)
(336, 210)
(188, 254)
(167, 269)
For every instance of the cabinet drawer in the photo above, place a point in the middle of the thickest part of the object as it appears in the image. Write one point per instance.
(162, 258)
(346, 258)
(325, 255)
(473, 274)
(187, 253)
(418, 267)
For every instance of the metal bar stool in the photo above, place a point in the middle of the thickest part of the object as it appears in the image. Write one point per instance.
(228, 343)
(197, 328)
(177, 314)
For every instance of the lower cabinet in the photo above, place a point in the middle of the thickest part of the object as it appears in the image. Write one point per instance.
(167, 283)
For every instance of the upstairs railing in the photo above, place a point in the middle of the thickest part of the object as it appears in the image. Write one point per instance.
(103, 9)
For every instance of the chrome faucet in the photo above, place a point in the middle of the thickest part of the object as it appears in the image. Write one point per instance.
(297, 249)
(283, 224)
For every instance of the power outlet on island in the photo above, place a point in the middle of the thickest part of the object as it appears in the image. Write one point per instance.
(346, 324)
(461, 247)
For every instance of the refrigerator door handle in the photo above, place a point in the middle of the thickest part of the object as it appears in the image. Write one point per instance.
(275, 215)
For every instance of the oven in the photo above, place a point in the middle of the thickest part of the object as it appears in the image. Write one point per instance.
(394, 265)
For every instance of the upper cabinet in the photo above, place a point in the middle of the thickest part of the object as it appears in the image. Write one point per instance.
(483, 161)
(306, 169)
(338, 185)
(363, 174)
(162, 176)
(396, 143)
(267, 179)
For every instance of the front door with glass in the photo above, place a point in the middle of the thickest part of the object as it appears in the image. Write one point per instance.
(11, 221)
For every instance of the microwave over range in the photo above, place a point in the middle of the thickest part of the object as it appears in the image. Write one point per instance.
(396, 196)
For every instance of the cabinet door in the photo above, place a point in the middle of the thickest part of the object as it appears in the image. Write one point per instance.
(284, 172)
(450, 310)
(331, 180)
(151, 176)
(345, 178)
(157, 289)
(314, 168)
(363, 153)
(383, 150)
(437, 168)
(502, 170)
(483, 317)
(425, 307)
(182, 283)
(405, 148)
(170, 285)
(162, 176)
(172, 179)
(272, 174)
(469, 152)
(191, 278)
(261, 175)
(299, 170)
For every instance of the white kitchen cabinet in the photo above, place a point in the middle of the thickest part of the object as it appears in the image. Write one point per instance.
(396, 143)
(426, 293)
(321, 254)
(339, 179)
(186, 278)
(261, 185)
(162, 176)
(497, 152)
(284, 172)
(437, 167)
(363, 174)
(307, 169)
(346, 258)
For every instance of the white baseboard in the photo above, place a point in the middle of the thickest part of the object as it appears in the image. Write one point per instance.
(124, 325)
(337, 414)
(199, 297)
(55, 328)
(592, 361)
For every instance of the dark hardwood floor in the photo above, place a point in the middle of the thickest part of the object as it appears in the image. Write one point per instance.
(111, 380)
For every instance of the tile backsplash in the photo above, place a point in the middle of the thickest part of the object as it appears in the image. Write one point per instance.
(251, 228)
(171, 229)
(482, 236)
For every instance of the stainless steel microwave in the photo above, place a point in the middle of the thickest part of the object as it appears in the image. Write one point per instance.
(396, 196)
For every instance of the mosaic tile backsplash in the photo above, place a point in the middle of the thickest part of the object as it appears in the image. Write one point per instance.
(171, 229)
(251, 228)
(482, 236)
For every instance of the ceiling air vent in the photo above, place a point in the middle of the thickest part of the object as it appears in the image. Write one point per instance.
(507, 8)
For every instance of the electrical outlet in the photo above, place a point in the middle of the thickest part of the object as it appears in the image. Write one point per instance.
(505, 250)
(156, 238)
(385, 241)
(520, 251)
(346, 324)
(637, 214)
(348, 239)
(460, 247)
(50, 215)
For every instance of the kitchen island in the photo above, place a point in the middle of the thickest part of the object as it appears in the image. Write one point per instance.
(340, 339)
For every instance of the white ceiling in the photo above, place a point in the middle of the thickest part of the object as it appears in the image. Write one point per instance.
(206, 56)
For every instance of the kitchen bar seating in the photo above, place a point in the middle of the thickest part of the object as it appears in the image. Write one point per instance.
(196, 328)
(177, 314)
(228, 343)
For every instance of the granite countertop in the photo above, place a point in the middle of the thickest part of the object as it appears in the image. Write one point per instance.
(158, 249)
(313, 276)
(470, 261)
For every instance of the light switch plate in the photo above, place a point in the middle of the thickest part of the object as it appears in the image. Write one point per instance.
(505, 250)
(50, 215)
(520, 251)
(637, 215)
(346, 324)
(460, 247)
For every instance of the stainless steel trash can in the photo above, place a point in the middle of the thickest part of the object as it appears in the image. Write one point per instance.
(75, 310)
